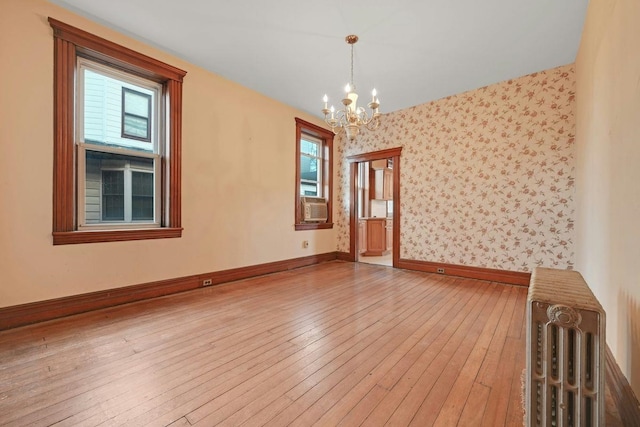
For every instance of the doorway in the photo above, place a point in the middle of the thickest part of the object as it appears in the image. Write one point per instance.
(375, 212)
(374, 208)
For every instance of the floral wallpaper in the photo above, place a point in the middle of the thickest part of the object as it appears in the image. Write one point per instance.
(487, 176)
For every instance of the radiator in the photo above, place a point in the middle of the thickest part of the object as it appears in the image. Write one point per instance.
(565, 352)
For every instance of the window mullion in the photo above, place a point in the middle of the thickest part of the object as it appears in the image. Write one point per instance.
(82, 186)
(127, 192)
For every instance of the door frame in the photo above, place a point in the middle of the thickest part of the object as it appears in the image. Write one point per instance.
(354, 160)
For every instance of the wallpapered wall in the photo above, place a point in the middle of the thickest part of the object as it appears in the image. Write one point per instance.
(487, 176)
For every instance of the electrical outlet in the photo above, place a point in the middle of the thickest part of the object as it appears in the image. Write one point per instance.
(207, 282)
(440, 270)
(305, 244)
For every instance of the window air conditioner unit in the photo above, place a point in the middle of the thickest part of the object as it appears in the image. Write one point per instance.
(314, 209)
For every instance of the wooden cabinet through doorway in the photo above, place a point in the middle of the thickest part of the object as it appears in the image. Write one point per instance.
(377, 240)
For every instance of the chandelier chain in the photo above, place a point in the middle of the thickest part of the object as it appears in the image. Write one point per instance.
(351, 82)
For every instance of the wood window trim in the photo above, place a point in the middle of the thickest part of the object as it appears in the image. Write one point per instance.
(69, 43)
(326, 136)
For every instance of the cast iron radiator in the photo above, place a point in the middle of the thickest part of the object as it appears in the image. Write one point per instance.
(565, 352)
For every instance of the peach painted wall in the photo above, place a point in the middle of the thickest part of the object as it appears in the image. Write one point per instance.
(487, 176)
(238, 153)
(608, 171)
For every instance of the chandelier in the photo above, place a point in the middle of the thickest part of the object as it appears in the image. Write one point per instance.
(351, 117)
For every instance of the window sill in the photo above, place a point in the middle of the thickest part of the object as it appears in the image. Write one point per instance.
(74, 237)
(314, 226)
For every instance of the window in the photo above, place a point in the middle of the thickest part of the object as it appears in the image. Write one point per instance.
(314, 149)
(110, 158)
(136, 110)
(117, 142)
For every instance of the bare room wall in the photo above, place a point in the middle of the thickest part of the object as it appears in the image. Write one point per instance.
(608, 172)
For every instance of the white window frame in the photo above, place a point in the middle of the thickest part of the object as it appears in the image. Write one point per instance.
(142, 152)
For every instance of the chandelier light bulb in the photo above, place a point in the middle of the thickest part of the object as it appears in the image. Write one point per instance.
(347, 88)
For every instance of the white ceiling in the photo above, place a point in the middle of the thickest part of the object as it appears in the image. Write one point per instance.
(411, 51)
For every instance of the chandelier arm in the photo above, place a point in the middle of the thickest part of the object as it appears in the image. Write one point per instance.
(373, 123)
(364, 118)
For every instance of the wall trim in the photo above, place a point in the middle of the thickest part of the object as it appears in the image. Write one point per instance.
(625, 400)
(24, 314)
(490, 274)
(345, 256)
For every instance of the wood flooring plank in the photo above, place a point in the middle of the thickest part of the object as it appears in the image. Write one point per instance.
(515, 409)
(518, 321)
(473, 411)
(500, 396)
(492, 361)
(182, 422)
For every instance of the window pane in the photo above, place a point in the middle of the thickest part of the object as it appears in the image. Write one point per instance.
(116, 111)
(309, 147)
(136, 126)
(309, 168)
(142, 196)
(309, 189)
(136, 102)
(118, 188)
(112, 195)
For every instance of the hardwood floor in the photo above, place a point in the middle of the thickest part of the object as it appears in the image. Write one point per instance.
(333, 344)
